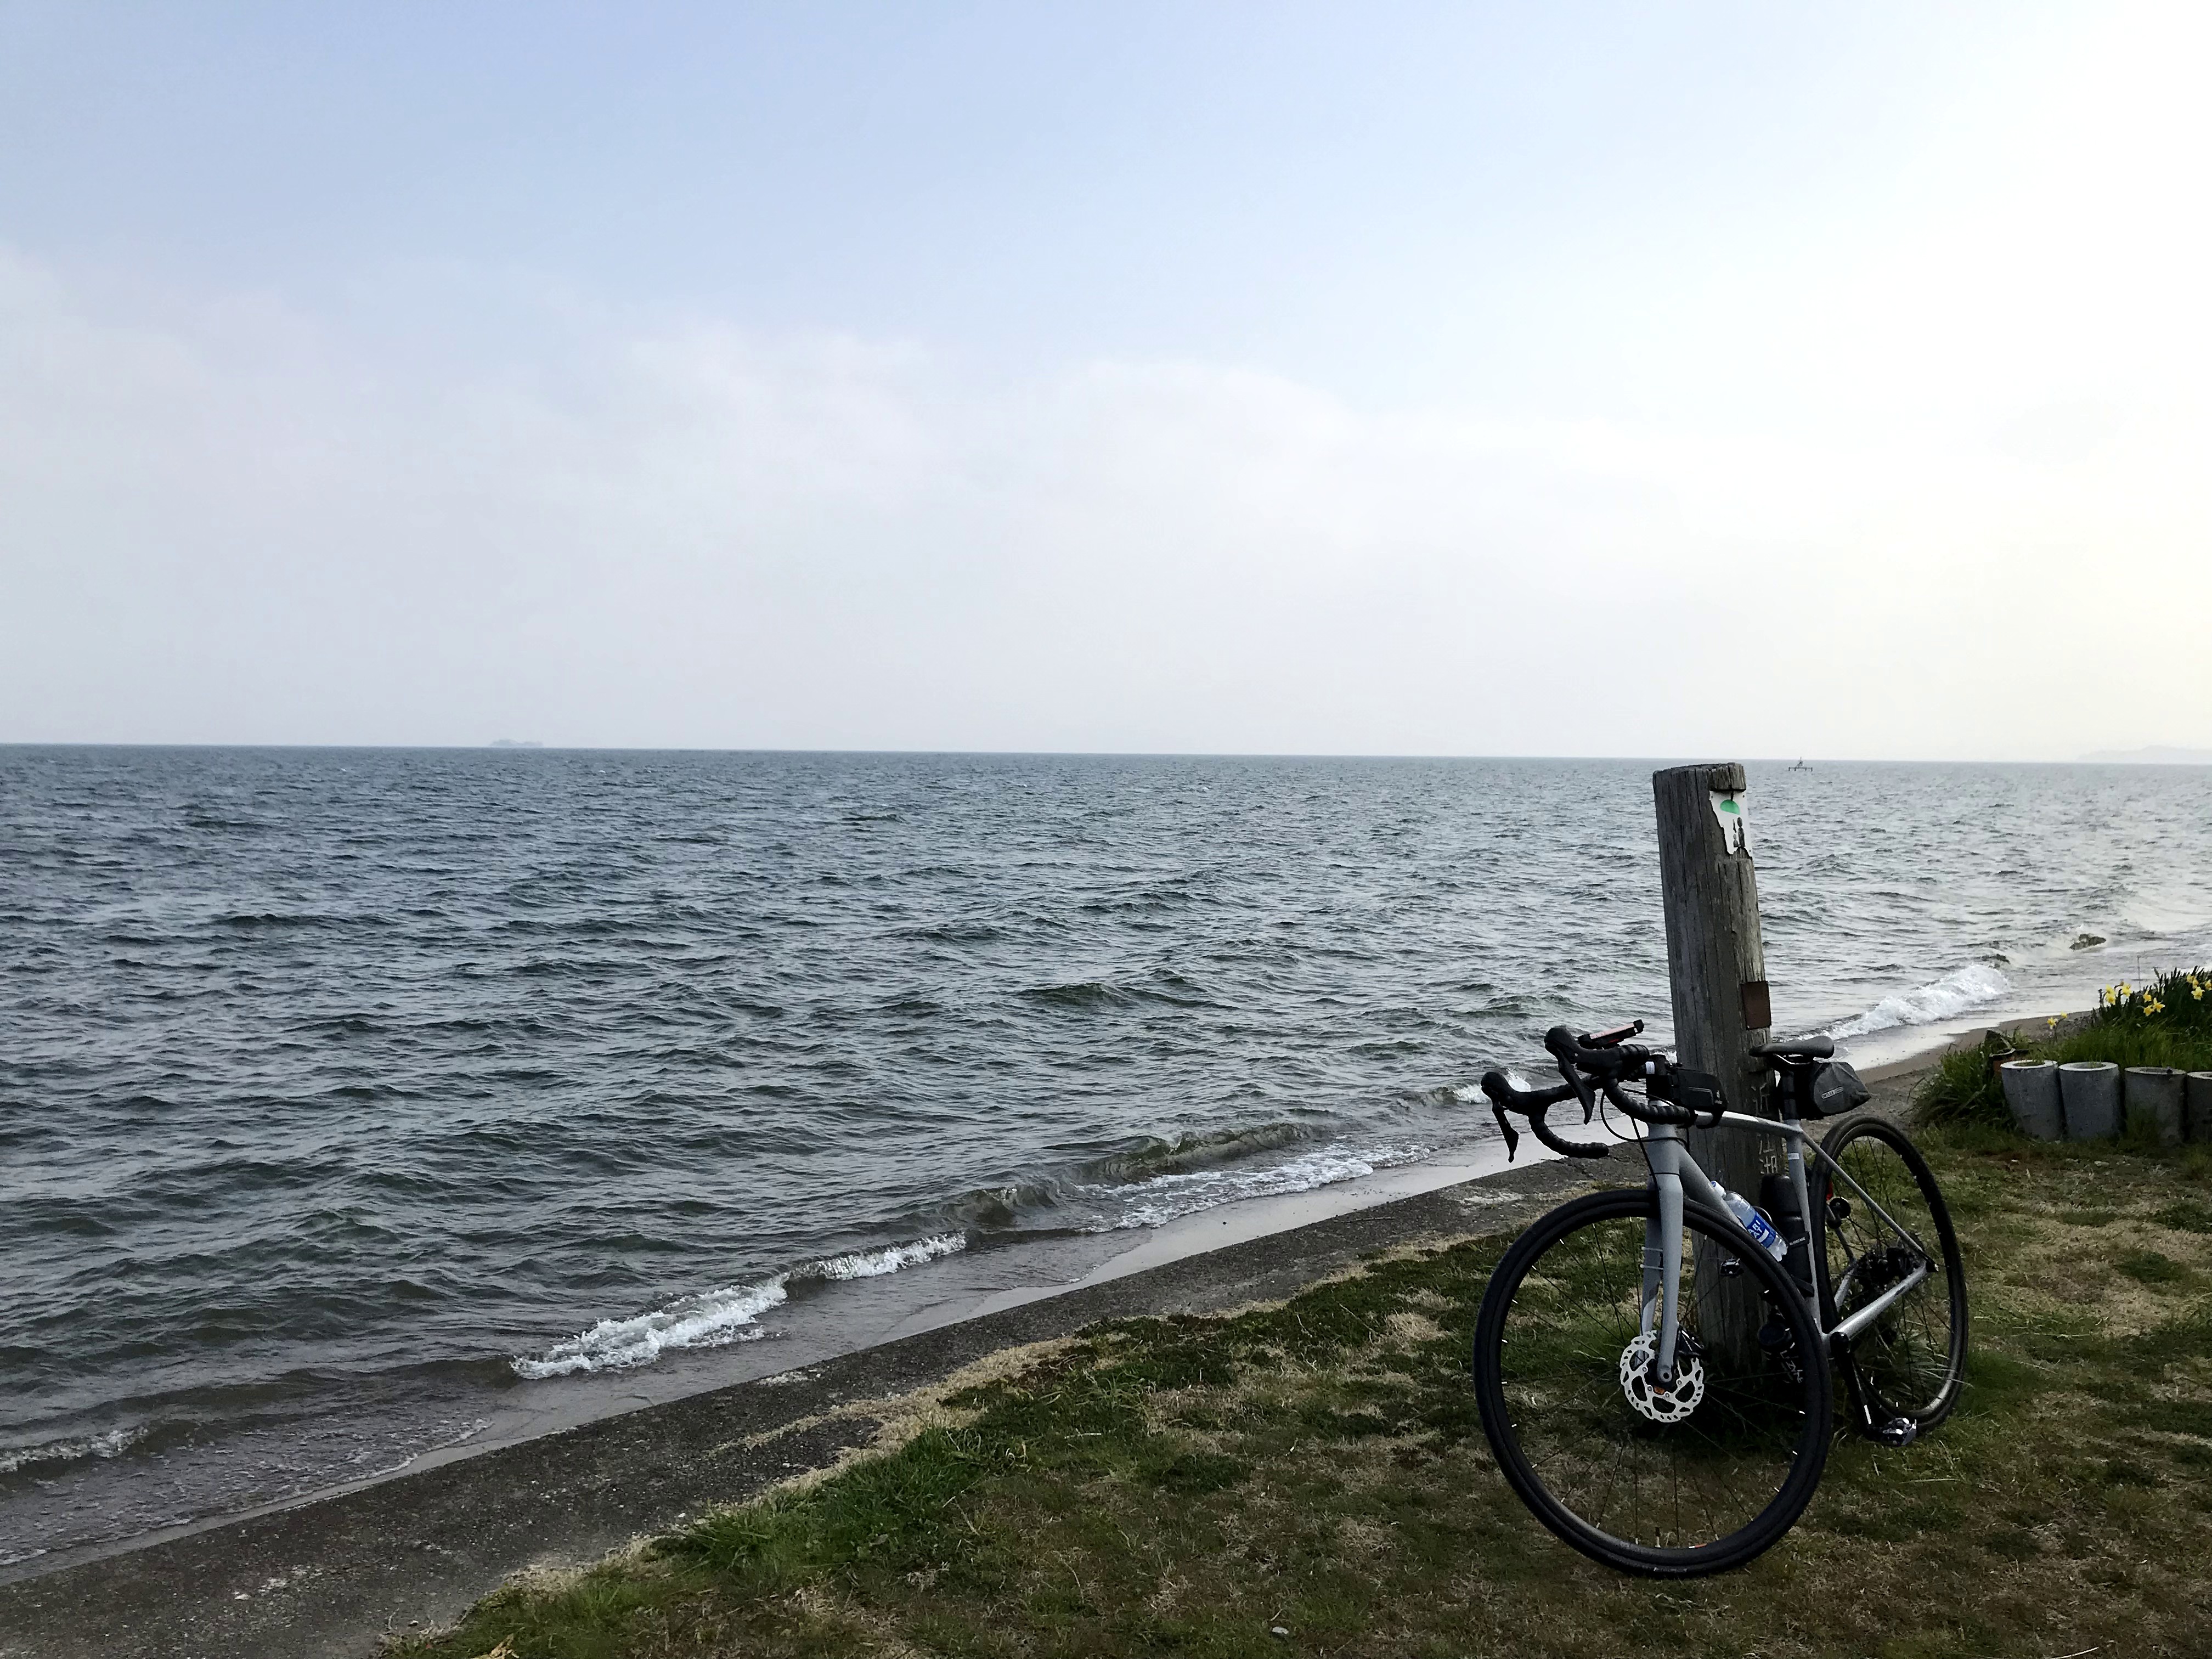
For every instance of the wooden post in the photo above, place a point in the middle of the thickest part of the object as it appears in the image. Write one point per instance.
(1716, 969)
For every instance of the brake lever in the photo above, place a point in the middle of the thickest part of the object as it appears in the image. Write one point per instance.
(1561, 1043)
(1494, 1085)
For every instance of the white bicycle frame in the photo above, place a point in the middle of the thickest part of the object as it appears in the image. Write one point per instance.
(1674, 1171)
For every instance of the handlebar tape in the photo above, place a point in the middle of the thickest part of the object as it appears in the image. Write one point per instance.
(1564, 1147)
(1674, 1096)
(1533, 1103)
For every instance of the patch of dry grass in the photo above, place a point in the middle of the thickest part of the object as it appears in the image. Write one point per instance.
(1189, 1485)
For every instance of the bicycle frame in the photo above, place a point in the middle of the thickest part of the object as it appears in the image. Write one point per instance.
(1674, 1171)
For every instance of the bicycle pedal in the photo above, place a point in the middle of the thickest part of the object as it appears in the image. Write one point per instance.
(1897, 1432)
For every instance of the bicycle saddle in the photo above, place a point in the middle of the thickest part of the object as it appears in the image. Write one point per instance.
(1816, 1047)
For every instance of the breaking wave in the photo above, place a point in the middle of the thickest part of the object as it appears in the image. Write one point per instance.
(1165, 1198)
(715, 1318)
(1974, 986)
(871, 1264)
(1147, 1184)
(113, 1444)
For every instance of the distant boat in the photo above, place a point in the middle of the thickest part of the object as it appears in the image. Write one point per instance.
(1799, 766)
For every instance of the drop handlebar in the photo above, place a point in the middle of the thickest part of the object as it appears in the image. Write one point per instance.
(1596, 1064)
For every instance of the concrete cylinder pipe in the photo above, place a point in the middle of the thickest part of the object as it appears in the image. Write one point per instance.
(2089, 1092)
(2196, 1107)
(2154, 1100)
(2030, 1090)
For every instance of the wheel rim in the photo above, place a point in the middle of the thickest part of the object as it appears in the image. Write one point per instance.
(1906, 1356)
(1607, 1464)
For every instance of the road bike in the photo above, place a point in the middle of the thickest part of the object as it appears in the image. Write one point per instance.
(1655, 1367)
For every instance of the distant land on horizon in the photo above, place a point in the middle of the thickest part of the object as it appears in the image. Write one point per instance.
(2157, 755)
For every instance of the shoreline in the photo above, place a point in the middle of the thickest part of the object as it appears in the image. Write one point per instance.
(995, 1276)
(335, 1571)
(994, 1273)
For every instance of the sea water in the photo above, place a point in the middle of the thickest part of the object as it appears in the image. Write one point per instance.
(353, 1101)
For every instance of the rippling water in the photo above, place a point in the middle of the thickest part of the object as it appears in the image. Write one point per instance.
(344, 1091)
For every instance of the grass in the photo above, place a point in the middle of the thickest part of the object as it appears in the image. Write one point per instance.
(1189, 1485)
(2166, 1023)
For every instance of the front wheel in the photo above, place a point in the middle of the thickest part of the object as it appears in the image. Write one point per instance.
(1907, 1365)
(1695, 1479)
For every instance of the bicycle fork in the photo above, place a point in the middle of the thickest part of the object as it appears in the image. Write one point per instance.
(1673, 1172)
(1663, 1251)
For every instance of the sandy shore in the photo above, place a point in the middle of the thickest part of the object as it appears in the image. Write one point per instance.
(332, 1573)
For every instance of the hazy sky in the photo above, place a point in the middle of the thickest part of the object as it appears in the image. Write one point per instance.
(1562, 380)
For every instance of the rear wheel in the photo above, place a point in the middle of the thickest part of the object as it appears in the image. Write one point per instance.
(1696, 1479)
(1908, 1363)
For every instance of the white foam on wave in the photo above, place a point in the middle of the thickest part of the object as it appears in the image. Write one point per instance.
(1470, 1094)
(113, 1444)
(729, 1315)
(869, 1264)
(1165, 1198)
(1974, 986)
(716, 1318)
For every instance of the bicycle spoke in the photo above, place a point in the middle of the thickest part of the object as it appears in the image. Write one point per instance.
(1676, 1484)
(1907, 1360)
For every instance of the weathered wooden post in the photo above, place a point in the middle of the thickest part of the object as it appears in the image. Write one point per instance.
(1717, 967)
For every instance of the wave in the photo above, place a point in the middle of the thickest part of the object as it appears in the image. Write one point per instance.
(113, 1444)
(1974, 986)
(711, 1320)
(952, 933)
(1187, 1153)
(1146, 1185)
(716, 1318)
(1169, 1197)
(871, 1264)
(1470, 1094)
(991, 1209)
(1170, 988)
(1085, 994)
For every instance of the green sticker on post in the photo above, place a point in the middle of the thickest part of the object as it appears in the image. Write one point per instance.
(1730, 813)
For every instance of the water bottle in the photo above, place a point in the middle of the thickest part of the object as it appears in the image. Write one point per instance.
(1755, 1224)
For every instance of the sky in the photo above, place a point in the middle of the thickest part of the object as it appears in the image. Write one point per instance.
(1572, 380)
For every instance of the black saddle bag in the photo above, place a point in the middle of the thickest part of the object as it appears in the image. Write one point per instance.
(1835, 1090)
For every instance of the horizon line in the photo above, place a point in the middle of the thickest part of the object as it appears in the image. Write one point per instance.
(2138, 756)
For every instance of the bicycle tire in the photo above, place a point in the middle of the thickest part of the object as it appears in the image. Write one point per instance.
(1759, 1419)
(1910, 1364)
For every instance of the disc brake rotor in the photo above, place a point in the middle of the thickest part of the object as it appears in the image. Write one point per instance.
(1641, 1388)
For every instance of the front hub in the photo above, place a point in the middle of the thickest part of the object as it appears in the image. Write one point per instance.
(1640, 1379)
